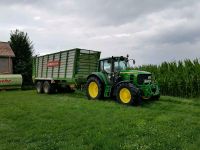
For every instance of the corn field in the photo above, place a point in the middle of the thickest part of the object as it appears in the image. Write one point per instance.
(181, 79)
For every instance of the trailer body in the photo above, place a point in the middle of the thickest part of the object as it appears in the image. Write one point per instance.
(69, 67)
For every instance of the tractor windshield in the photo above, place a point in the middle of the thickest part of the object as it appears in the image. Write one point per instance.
(120, 65)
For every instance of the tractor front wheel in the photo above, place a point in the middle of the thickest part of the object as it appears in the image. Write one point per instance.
(127, 94)
(94, 88)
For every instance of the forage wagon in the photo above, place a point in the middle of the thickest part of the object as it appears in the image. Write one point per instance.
(64, 70)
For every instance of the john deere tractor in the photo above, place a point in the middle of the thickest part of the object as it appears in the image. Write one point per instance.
(114, 79)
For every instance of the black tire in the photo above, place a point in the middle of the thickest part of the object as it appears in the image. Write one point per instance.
(100, 88)
(47, 87)
(132, 99)
(39, 87)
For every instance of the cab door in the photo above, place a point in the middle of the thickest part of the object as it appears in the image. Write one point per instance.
(105, 67)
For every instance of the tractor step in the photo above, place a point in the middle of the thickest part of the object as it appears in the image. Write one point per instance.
(107, 91)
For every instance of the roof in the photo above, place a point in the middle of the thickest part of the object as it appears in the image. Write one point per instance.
(5, 50)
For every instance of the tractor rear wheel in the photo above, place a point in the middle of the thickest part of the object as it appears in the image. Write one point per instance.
(94, 88)
(127, 94)
(39, 87)
(47, 87)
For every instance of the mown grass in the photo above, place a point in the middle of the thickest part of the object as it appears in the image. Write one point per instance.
(70, 121)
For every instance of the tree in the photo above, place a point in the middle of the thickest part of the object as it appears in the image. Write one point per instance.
(22, 62)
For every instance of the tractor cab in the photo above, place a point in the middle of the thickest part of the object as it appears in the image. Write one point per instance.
(113, 64)
(111, 68)
(114, 67)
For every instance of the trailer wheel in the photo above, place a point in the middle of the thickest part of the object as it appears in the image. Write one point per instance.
(127, 94)
(94, 88)
(39, 87)
(47, 87)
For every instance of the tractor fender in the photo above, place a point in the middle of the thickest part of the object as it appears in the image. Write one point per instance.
(100, 76)
(115, 87)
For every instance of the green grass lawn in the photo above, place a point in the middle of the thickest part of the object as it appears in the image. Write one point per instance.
(70, 121)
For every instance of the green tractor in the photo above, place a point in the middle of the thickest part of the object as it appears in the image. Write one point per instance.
(115, 79)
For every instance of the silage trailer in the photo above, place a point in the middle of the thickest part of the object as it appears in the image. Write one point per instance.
(64, 70)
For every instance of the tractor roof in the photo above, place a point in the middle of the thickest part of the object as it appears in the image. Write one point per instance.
(112, 57)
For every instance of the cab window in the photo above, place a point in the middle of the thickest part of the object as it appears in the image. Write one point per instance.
(105, 66)
(120, 65)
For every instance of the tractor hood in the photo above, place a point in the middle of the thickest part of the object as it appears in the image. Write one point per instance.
(135, 72)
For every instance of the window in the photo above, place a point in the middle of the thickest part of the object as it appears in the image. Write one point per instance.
(120, 65)
(4, 65)
(107, 66)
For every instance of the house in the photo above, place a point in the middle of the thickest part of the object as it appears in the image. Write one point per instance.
(6, 55)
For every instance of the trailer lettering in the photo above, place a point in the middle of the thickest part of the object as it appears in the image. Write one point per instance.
(55, 63)
(5, 81)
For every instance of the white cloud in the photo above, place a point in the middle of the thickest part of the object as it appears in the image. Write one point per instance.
(37, 18)
(122, 35)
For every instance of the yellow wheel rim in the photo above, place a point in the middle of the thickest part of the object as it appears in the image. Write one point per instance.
(93, 89)
(125, 95)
